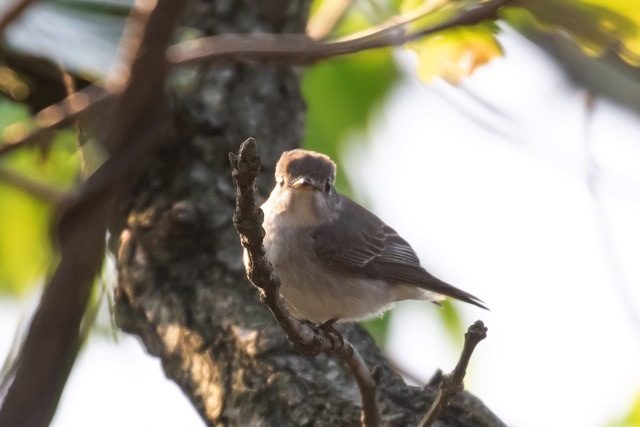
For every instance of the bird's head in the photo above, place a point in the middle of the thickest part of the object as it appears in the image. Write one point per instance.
(304, 190)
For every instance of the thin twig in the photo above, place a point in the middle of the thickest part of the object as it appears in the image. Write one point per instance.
(34, 188)
(453, 383)
(247, 219)
(326, 17)
(12, 13)
(56, 116)
(300, 49)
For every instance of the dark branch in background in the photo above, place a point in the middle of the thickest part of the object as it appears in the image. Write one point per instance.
(452, 384)
(53, 339)
(247, 219)
(227, 48)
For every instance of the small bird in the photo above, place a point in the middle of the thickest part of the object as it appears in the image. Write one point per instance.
(337, 261)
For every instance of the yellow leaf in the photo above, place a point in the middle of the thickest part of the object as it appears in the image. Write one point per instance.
(455, 53)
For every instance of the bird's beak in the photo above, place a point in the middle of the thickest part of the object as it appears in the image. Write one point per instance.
(304, 183)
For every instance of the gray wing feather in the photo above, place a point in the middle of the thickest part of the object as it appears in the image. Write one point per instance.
(360, 243)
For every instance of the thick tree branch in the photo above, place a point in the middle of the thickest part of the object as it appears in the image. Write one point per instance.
(452, 384)
(307, 340)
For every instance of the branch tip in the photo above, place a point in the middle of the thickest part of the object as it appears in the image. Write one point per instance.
(451, 384)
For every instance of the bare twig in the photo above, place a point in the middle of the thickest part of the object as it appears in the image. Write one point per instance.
(52, 342)
(307, 340)
(56, 116)
(326, 17)
(12, 13)
(300, 49)
(453, 383)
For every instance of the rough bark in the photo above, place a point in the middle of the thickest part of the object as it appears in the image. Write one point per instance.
(182, 287)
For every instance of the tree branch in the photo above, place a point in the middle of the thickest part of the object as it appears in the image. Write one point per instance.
(300, 49)
(226, 48)
(452, 384)
(248, 218)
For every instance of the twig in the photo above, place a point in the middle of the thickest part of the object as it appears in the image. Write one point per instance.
(453, 383)
(57, 116)
(326, 17)
(36, 189)
(12, 13)
(247, 219)
(300, 49)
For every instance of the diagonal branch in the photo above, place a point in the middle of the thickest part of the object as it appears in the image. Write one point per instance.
(452, 384)
(300, 49)
(12, 13)
(36, 189)
(56, 116)
(307, 340)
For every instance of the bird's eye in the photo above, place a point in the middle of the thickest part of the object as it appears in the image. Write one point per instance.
(327, 186)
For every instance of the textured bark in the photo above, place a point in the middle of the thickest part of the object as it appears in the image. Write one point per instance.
(182, 287)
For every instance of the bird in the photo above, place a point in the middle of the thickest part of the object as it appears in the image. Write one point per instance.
(337, 261)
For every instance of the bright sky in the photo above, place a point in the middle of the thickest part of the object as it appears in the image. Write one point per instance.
(505, 213)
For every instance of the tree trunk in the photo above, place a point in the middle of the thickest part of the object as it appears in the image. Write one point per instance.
(182, 287)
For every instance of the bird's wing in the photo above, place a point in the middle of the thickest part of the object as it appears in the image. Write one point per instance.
(359, 243)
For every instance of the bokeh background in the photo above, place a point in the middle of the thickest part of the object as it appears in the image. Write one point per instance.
(508, 157)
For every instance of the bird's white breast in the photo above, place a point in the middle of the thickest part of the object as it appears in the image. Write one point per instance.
(312, 291)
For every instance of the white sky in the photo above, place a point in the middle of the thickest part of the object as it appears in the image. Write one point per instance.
(505, 215)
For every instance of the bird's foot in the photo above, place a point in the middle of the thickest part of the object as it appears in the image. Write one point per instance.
(332, 334)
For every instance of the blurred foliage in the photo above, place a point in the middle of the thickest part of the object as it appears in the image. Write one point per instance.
(25, 248)
(598, 27)
(632, 419)
(454, 53)
(452, 321)
(342, 93)
(378, 327)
